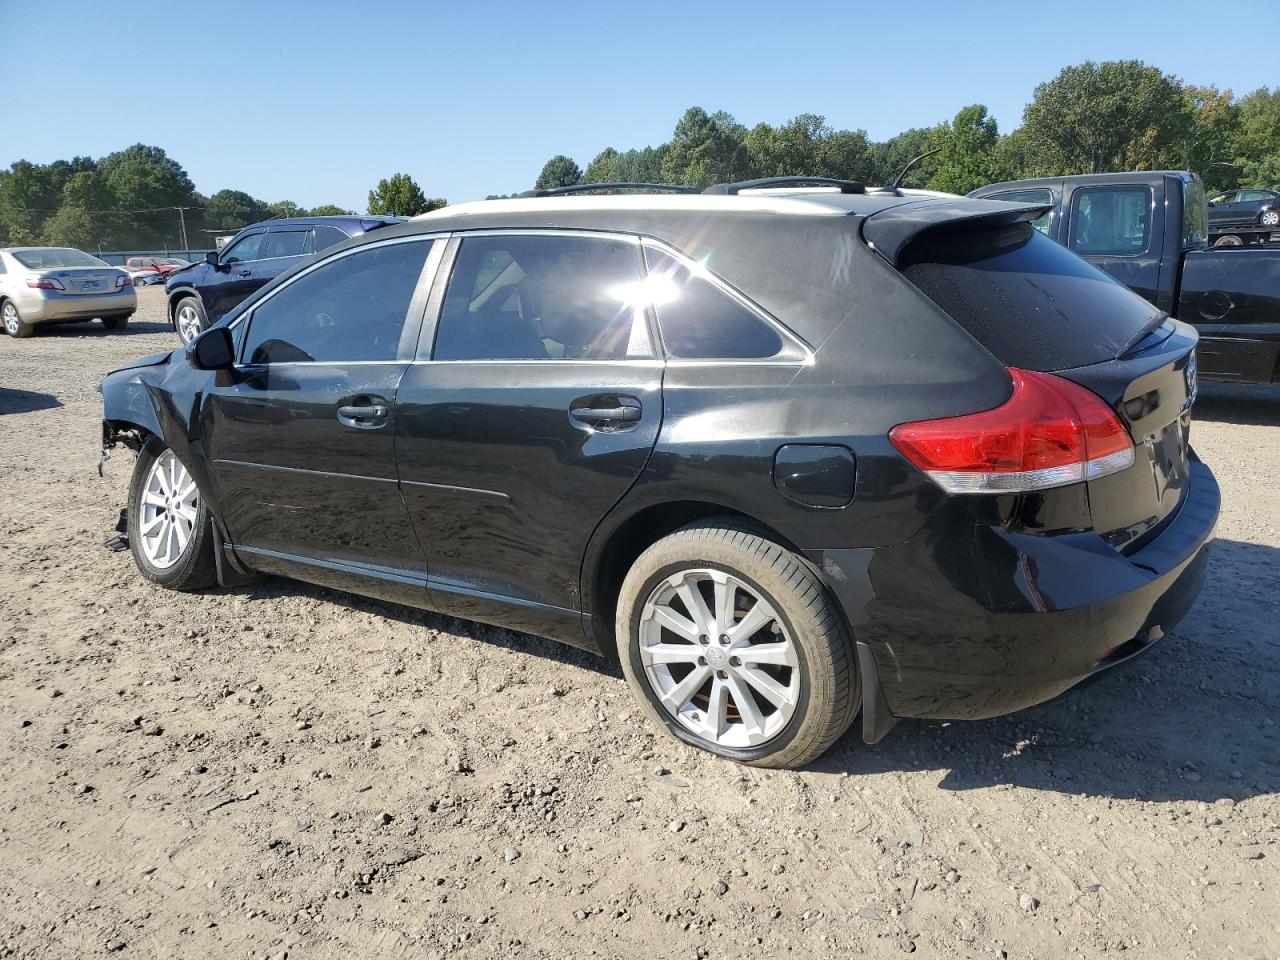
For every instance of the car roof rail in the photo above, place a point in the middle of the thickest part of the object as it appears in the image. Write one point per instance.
(765, 183)
(596, 187)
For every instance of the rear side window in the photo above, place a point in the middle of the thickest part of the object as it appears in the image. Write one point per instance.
(285, 243)
(1110, 221)
(1041, 222)
(327, 236)
(543, 298)
(1195, 215)
(351, 308)
(1029, 301)
(701, 321)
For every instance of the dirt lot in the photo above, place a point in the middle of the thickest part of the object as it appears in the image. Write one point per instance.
(284, 769)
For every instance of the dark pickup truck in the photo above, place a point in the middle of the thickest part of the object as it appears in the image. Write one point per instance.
(1149, 230)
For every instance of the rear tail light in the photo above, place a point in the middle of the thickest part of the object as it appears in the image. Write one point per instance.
(124, 280)
(45, 283)
(1049, 433)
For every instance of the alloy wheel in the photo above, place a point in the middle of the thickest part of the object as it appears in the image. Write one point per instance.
(11, 319)
(719, 658)
(188, 322)
(1271, 218)
(169, 510)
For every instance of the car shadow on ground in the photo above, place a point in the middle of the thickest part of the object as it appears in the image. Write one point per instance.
(25, 401)
(1242, 403)
(1195, 719)
(93, 327)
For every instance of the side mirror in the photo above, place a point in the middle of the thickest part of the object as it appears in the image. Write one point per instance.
(212, 350)
(211, 258)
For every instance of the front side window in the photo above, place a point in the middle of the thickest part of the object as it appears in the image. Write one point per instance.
(1223, 198)
(285, 243)
(526, 297)
(1041, 222)
(352, 308)
(698, 319)
(1110, 221)
(246, 248)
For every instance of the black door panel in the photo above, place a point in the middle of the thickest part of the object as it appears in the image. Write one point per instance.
(504, 485)
(293, 477)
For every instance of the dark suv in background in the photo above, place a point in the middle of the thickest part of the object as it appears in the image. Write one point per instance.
(203, 292)
(783, 455)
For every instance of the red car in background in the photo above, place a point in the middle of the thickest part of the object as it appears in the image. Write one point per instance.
(161, 265)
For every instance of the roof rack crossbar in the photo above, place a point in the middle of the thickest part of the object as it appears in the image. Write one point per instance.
(764, 183)
(595, 187)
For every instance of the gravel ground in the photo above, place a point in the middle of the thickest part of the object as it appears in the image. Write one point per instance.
(282, 769)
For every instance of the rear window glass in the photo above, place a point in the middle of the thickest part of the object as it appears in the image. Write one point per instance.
(1195, 216)
(43, 259)
(1029, 301)
(1041, 222)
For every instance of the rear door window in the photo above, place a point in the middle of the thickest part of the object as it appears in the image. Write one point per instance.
(1041, 222)
(537, 297)
(285, 243)
(1110, 221)
(1029, 301)
(700, 320)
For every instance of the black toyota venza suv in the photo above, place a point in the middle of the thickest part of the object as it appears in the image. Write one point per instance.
(783, 453)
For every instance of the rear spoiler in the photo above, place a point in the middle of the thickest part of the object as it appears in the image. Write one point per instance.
(890, 231)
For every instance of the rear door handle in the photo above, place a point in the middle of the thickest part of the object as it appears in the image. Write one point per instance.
(606, 411)
(368, 414)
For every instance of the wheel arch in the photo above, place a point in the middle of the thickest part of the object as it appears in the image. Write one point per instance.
(612, 551)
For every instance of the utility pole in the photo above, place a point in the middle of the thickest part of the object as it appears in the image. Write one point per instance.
(182, 220)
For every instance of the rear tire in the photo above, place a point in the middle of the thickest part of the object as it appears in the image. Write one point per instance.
(14, 325)
(189, 318)
(796, 675)
(1229, 240)
(1270, 218)
(118, 322)
(170, 531)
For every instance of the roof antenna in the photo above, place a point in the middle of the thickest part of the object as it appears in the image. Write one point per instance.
(911, 165)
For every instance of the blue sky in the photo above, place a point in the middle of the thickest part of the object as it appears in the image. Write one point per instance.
(315, 101)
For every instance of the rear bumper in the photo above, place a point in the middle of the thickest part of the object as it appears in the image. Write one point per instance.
(968, 630)
(43, 309)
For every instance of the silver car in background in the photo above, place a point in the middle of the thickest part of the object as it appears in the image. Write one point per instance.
(59, 284)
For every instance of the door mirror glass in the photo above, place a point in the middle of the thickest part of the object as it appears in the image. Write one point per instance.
(211, 258)
(212, 350)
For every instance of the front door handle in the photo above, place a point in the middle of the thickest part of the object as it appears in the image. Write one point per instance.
(364, 413)
(245, 273)
(606, 412)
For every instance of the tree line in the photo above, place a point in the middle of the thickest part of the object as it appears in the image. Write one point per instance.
(1090, 118)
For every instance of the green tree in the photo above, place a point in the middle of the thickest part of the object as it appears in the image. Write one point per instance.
(285, 208)
(233, 209)
(1118, 115)
(885, 160)
(400, 196)
(1216, 125)
(73, 226)
(145, 182)
(966, 145)
(1258, 143)
(706, 149)
(604, 168)
(559, 171)
(28, 197)
(328, 210)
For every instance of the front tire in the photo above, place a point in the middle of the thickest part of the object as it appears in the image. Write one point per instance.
(731, 643)
(189, 318)
(118, 322)
(14, 325)
(170, 531)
